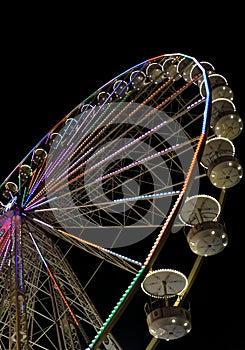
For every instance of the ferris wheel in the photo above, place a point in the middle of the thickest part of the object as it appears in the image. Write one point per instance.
(114, 179)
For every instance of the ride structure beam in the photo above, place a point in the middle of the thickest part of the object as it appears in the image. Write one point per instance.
(18, 336)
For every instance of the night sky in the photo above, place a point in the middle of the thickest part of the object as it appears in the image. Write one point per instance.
(52, 60)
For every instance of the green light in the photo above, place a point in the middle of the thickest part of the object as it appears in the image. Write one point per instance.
(113, 312)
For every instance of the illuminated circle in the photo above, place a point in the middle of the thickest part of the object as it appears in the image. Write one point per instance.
(164, 283)
(229, 125)
(215, 148)
(207, 238)
(199, 208)
(225, 172)
(222, 91)
(10, 190)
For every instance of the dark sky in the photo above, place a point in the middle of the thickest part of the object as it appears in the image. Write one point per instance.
(52, 60)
